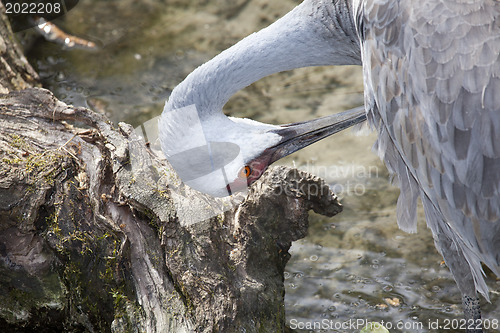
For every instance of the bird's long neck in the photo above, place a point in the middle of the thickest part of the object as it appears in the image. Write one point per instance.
(314, 33)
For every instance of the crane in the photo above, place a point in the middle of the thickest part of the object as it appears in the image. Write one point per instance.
(432, 92)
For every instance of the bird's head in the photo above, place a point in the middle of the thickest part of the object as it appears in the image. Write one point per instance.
(219, 155)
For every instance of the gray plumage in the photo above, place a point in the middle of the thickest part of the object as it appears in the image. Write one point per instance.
(432, 91)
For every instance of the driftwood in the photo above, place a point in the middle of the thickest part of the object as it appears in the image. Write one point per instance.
(97, 234)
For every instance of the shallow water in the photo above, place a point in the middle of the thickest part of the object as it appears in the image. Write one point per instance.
(352, 268)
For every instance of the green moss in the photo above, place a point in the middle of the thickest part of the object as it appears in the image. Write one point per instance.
(162, 193)
(49, 160)
(126, 312)
(120, 300)
(46, 165)
(12, 161)
(108, 275)
(53, 228)
(220, 219)
(18, 142)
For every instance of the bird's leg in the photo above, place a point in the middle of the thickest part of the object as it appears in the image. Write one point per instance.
(457, 263)
(461, 271)
(472, 313)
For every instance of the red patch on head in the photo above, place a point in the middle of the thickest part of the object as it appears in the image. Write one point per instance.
(249, 174)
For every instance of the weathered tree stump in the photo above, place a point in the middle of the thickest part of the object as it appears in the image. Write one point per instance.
(91, 238)
(97, 233)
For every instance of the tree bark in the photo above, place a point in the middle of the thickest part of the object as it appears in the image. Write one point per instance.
(15, 71)
(97, 233)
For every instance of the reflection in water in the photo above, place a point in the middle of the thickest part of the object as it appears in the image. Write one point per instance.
(357, 265)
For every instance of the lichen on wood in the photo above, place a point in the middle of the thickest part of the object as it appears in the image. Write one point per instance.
(104, 237)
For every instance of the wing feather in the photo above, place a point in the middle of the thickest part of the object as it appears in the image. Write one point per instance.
(432, 87)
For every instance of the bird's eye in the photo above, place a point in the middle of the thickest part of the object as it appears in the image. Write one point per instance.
(245, 172)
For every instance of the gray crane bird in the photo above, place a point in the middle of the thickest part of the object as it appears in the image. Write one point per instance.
(432, 91)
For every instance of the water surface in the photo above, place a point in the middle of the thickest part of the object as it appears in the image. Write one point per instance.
(355, 267)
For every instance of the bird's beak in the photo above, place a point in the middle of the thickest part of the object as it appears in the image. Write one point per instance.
(299, 135)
